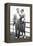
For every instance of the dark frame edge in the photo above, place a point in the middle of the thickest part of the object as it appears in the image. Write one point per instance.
(15, 4)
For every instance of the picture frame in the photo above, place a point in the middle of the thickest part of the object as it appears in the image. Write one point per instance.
(7, 22)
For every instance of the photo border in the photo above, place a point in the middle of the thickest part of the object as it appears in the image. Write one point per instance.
(7, 20)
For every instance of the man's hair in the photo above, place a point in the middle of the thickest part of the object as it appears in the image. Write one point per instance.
(17, 9)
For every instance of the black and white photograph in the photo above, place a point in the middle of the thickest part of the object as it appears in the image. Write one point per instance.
(18, 26)
(19, 22)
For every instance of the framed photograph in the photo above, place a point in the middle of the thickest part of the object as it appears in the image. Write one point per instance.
(18, 22)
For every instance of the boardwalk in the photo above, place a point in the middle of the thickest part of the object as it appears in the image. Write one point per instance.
(13, 39)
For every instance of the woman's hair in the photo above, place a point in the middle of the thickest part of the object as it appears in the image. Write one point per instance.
(22, 10)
